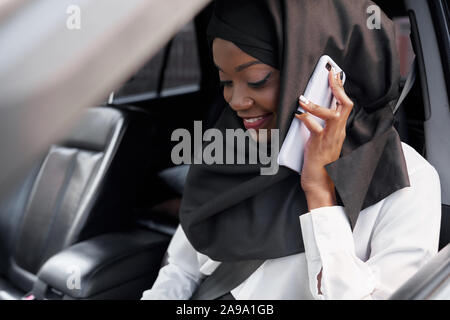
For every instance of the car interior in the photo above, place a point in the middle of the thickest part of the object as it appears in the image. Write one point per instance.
(102, 204)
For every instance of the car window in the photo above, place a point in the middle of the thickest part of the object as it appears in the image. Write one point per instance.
(145, 80)
(183, 67)
(404, 46)
(180, 72)
(447, 10)
(411, 116)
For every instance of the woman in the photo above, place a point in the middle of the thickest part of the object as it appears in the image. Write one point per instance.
(368, 205)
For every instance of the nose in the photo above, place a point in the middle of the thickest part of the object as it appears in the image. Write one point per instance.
(240, 100)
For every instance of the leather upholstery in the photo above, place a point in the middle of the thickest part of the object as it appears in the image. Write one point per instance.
(78, 190)
(105, 265)
(8, 291)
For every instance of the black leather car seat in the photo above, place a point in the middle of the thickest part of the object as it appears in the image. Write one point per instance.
(81, 188)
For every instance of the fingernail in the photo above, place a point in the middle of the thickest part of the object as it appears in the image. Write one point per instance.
(303, 99)
(299, 112)
(342, 75)
(336, 74)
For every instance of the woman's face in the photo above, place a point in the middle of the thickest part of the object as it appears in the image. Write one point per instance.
(251, 87)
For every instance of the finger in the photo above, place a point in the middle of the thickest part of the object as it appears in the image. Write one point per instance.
(310, 123)
(318, 111)
(337, 88)
(338, 107)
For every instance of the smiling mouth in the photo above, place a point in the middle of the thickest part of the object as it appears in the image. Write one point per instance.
(256, 122)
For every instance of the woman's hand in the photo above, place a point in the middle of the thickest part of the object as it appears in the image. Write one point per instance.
(324, 145)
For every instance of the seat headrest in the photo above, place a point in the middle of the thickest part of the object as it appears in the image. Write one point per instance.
(95, 130)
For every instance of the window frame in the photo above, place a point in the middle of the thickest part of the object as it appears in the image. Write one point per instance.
(160, 92)
(440, 13)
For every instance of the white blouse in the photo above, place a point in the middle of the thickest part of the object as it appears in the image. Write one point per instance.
(392, 239)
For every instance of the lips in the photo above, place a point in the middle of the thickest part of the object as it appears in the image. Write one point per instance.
(257, 122)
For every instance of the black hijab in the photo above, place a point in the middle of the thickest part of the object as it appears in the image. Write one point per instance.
(231, 212)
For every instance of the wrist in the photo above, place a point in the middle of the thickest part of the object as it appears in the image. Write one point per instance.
(318, 187)
(320, 198)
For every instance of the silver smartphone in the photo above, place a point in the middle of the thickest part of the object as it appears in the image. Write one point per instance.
(319, 92)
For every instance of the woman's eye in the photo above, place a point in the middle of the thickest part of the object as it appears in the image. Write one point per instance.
(258, 84)
(261, 83)
(226, 83)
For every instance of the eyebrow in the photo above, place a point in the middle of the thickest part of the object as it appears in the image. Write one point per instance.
(242, 66)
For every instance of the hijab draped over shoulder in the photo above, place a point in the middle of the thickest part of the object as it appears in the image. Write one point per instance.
(231, 212)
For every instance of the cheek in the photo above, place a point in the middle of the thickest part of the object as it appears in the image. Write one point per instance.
(269, 100)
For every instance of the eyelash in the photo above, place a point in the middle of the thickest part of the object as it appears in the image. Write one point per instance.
(254, 85)
(225, 83)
